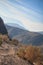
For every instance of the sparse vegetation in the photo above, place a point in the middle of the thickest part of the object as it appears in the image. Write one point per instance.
(21, 52)
(15, 42)
(4, 37)
(30, 53)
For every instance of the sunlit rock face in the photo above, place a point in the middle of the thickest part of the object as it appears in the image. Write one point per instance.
(3, 29)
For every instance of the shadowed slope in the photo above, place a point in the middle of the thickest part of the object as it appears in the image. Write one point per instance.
(2, 27)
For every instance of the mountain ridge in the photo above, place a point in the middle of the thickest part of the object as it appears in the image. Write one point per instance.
(15, 25)
(24, 36)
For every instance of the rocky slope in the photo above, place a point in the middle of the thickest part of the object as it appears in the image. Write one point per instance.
(8, 53)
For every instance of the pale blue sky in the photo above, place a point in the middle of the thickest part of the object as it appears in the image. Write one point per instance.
(27, 13)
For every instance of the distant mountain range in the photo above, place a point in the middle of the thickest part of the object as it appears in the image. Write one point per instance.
(15, 25)
(19, 33)
(41, 32)
(24, 36)
(18, 26)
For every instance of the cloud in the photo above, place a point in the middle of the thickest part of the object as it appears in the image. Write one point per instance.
(13, 12)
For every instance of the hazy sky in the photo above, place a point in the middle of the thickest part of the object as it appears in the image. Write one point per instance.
(27, 13)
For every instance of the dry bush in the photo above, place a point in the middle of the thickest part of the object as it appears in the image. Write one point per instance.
(15, 42)
(38, 63)
(4, 37)
(21, 52)
(30, 53)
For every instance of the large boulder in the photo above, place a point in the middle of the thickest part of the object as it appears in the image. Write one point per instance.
(3, 29)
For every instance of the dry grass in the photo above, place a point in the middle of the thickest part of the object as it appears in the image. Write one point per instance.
(30, 53)
(4, 37)
(15, 42)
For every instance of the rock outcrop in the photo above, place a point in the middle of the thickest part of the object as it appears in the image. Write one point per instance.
(3, 29)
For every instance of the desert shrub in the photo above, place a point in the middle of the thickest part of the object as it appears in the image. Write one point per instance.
(15, 42)
(4, 37)
(30, 53)
(21, 52)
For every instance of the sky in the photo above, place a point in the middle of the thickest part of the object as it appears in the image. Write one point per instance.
(27, 13)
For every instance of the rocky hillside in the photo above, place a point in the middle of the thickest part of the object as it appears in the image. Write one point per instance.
(14, 53)
(8, 52)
